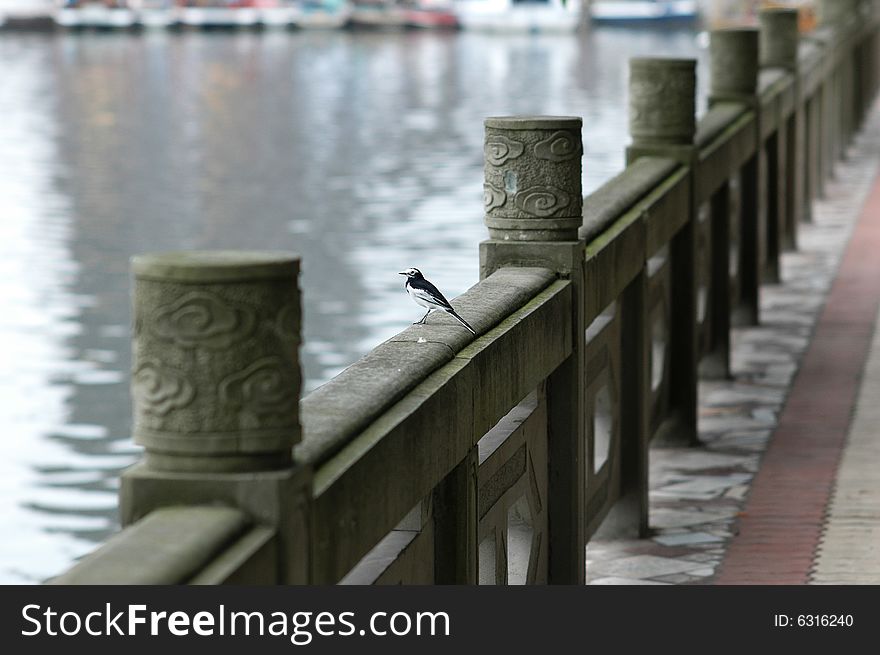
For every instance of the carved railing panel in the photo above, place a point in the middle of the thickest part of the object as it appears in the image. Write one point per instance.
(512, 496)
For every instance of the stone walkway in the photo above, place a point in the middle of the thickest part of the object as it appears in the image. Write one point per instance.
(710, 523)
(849, 551)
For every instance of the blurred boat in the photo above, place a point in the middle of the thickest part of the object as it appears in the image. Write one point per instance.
(643, 11)
(219, 13)
(27, 14)
(377, 14)
(100, 15)
(323, 14)
(524, 16)
(399, 14)
(277, 13)
(154, 14)
(308, 14)
(430, 14)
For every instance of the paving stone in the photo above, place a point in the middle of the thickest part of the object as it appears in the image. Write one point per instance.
(687, 538)
(724, 423)
(752, 466)
(625, 581)
(742, 394)
(739, 492)
(684, 460)
(747, 437)
(676, 578)
(704, 558)
(721, 532)
(765, 414)
(644, 566)
(665, 518)
(704, 487)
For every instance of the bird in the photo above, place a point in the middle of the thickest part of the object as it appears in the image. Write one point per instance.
(427, 295)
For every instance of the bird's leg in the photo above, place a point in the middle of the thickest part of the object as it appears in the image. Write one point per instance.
(421, 321)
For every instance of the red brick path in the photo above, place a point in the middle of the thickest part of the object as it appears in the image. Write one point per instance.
(780, 527)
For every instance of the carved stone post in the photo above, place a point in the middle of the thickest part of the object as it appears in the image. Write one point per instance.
(778, 45)
(662, 105)
(868, 60)
(838, 17)
(533, 209)
(532, 189)
(216, 375)
(734, 66)
(662, 110)
(821, 111)
(216, 385)
(779, 37)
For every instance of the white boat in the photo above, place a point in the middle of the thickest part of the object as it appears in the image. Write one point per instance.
(66, 16)
(154, 14)
(428, 14)
(377, 14)
(278, 17)
(525, 16)
(219, 14)
(27, 14)
(279, 14)
(323, 14)
(157, 18)
(95, 14)
(643, 11)
(399, 14)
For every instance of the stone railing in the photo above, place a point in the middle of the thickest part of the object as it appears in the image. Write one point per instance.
(446, 458)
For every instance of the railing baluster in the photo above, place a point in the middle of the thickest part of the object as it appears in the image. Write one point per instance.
(734, 64)
(662, 123)
(216, 392)
(534, 209)
(454, 507)
(778, 48)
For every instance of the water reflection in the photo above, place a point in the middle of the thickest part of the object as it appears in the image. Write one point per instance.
(54, 498)
(362, 151)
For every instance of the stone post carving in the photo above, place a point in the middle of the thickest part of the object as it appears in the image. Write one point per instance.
(532, 189)
(734, 63)
(534, 209)
(216, 379)
(662, 104)
(778, 41)
(662, 123)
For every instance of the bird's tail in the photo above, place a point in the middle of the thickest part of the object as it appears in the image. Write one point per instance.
(461, 320)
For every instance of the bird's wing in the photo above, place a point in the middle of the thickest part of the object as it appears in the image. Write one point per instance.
(429, 293)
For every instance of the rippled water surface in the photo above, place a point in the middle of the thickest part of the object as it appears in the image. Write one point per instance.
(362, 151)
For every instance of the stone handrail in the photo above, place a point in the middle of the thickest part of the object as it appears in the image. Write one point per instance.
(443, 457)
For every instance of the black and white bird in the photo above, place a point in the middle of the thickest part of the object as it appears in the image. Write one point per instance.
(429, 296)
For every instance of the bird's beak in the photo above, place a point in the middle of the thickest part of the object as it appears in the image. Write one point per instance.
(402, 273)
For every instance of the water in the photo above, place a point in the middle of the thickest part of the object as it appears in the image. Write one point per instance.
(362, 151)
